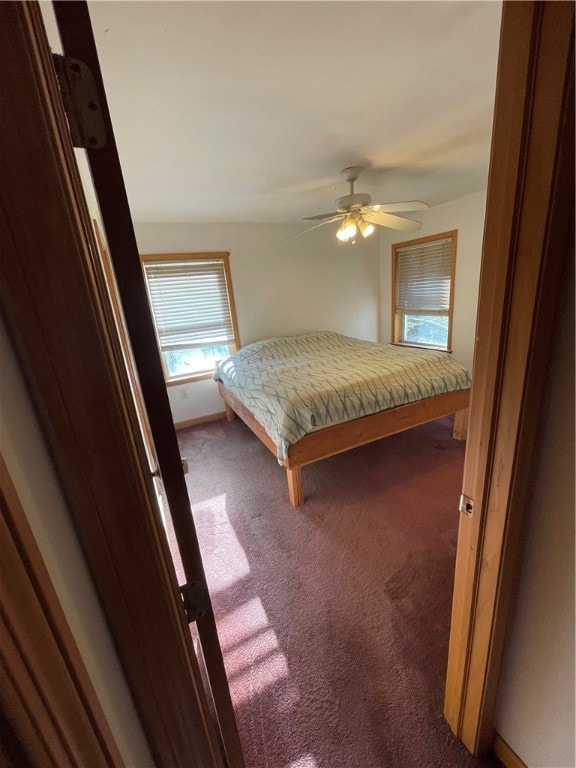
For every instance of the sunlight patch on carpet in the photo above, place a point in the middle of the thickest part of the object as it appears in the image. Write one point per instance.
(251, 651)
(241, 623)
(224, 558)
(258, 678)
(252, 655)
(307, 761)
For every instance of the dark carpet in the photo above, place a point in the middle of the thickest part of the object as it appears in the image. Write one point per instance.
(333, 617)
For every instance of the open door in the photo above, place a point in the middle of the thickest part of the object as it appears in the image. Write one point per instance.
(59, 315)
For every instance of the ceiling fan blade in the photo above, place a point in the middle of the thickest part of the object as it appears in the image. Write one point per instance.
(392, 222)
(410, 205)
(303, 231)
(320, 216)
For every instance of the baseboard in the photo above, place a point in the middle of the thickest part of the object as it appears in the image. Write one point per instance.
(200, 420)
(506, 754)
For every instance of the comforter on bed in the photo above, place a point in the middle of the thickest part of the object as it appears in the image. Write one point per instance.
(295, 384)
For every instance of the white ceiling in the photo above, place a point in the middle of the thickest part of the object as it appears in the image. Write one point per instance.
(247, 111)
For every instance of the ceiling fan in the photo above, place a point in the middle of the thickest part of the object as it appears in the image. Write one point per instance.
(358, 214)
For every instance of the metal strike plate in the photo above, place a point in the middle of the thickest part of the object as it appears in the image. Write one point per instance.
(466, 505)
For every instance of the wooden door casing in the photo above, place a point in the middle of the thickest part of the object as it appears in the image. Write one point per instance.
(529, 226)
(43, 677)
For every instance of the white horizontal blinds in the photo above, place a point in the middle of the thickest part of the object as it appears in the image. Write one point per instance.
(190, 303)
(423, 274)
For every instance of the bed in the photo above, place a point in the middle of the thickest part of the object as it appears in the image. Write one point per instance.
(314, 395)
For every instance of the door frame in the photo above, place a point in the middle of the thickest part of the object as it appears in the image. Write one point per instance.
(41, 669)
(528, 229)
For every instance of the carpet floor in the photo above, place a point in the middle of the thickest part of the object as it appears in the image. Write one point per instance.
(333, 617)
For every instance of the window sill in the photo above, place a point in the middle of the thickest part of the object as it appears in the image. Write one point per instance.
(189, 379)
(421, 346)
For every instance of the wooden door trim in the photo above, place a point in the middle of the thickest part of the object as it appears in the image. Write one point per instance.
(60, 323)
(46, 692)
(529, 220)
(124, 342)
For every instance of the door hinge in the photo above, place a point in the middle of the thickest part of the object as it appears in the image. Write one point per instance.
(81, 103)
(196, 599)
(466, 505)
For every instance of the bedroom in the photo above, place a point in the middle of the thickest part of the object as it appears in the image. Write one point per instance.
(349, 288)
(260, 174)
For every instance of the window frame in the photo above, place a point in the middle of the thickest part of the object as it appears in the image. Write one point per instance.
(396, 316)
(223, 256)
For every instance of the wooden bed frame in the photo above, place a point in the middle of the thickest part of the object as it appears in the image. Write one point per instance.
(351, 434)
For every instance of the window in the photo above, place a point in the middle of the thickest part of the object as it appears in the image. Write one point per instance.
(423, 291)
(193, 308)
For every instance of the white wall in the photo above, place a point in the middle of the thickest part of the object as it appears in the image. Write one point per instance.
(33, 474)
(536, 705)
(466, 214)
(312, 282)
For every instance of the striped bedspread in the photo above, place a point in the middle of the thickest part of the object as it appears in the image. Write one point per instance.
(295, 384)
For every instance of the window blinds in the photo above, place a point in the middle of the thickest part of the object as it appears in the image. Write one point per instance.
(423, 275)
(190, 303)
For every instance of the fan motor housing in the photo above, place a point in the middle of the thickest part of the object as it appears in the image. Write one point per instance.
(353, 201)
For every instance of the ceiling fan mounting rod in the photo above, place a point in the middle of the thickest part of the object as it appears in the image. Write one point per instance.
(351, 174)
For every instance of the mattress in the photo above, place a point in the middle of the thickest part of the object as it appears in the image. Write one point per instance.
(296, 384)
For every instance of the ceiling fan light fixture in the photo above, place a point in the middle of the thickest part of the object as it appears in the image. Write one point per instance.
(357, 212)
(366, 228)
(347, 229)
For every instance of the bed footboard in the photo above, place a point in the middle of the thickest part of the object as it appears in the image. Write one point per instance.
(352, 434)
